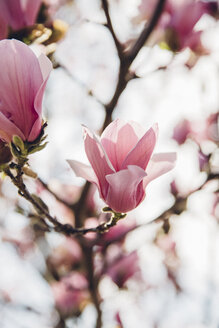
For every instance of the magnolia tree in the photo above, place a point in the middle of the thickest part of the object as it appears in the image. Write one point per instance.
(127, 245)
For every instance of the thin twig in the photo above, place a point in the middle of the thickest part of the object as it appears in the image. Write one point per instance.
(126, 59)
(43, 211)
(118, 44)
(146, 31)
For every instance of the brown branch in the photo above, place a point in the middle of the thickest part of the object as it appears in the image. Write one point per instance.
(180, 203)
(109, 25)
(126, 59)
(43, 211)
(145, 34)
(93, 282)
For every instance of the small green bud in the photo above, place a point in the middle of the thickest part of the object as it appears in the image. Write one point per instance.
(18, 142)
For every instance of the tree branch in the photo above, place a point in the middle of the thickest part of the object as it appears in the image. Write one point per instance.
(118, 45)
(126, 59)
(148, 29)
(43, 211)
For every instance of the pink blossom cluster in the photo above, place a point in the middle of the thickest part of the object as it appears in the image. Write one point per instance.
(199, 130)
(177, 23)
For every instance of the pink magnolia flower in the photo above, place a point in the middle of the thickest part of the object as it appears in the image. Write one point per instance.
(22, 83)
(199, 131)
(117, 233)
(124, 268)
(181, 131)
(183, 18)
(71, 293)
(19, 13)
(177, 22)
(122, 163)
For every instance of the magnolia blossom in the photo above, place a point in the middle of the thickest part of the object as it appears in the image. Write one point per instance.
(199, 131)
(19, 13)
(22, 83)
(122, 163)
(70, 293)
(180, 28)
(177, 22)
(123, 268)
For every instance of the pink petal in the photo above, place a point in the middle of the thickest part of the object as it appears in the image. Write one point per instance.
(30, 9)
(186, 16)
(158, 165)
(20, 13)
(141, 153)
(12, 12)
(98, 159)
(3, 27)
(46, 67)
(21, 81)
(118, 139)
(82, 170)
(125, 189)
(8, 129)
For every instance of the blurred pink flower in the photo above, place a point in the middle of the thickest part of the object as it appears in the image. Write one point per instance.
(117, 233)
(177, 22)
(19, 13)
(122, 163)
(183, 18)
(22, 83)
(181, 131)
(118, 320)
(199, 131)
(203, 161)
(70, 293)
(123, 269)
(66, 254)
(53, 5)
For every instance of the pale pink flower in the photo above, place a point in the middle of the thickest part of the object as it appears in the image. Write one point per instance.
(70, 293)
(117, 233)
(199, 131)
(122, 163)
(66, 254)
(52, 6)
(22, 83)
(181, 131)
(177, 22)
(19, 13)
(183, 18)
(124, 268)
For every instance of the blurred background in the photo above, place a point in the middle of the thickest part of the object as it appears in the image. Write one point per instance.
(159, 268)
